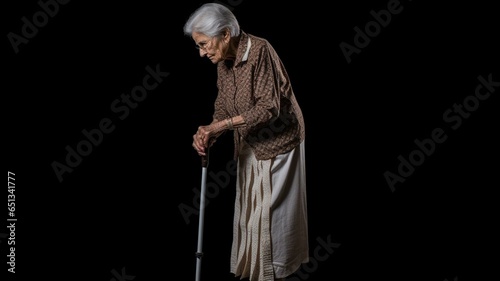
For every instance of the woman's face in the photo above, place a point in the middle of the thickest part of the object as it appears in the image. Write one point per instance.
(211, 47)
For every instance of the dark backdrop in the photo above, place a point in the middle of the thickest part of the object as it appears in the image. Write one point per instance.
(128, 208)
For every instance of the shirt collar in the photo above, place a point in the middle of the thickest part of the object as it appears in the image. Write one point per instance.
(243, 48)
(245, 55)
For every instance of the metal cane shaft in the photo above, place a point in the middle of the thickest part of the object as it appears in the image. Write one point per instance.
(199, 252)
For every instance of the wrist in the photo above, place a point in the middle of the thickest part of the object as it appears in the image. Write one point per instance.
(229, 124)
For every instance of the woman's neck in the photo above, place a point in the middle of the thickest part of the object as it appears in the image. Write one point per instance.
(232, 48)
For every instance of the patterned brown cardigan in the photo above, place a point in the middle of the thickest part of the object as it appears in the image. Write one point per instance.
(257, 87)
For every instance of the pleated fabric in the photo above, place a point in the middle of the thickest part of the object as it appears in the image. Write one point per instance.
(270, 238)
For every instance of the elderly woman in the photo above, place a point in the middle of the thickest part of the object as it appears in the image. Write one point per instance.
(256, 102)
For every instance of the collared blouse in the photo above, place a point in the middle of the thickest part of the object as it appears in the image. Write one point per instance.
(256, 86)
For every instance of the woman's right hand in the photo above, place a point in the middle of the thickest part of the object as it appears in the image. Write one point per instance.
(200, 141)
(206, 136)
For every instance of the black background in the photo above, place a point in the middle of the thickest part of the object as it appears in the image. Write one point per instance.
(119, 209)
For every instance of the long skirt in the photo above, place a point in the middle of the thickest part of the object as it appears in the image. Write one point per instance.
(270, 234)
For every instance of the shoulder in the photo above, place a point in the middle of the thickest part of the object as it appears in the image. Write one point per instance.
(259, 42)
(261, 46)
(258, 39)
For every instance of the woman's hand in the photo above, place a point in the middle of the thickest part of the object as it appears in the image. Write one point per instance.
(200, 140)
(206, 135)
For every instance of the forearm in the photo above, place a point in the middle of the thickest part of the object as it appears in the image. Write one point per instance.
(228, 123)
(234, 122)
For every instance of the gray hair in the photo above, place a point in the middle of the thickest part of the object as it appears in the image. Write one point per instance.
(212, 19)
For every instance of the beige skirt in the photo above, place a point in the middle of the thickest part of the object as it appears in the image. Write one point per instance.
(270, 237)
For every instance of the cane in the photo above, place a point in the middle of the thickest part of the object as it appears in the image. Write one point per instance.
(199, 253)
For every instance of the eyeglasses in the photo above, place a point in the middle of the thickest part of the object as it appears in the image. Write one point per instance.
(204, 45)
